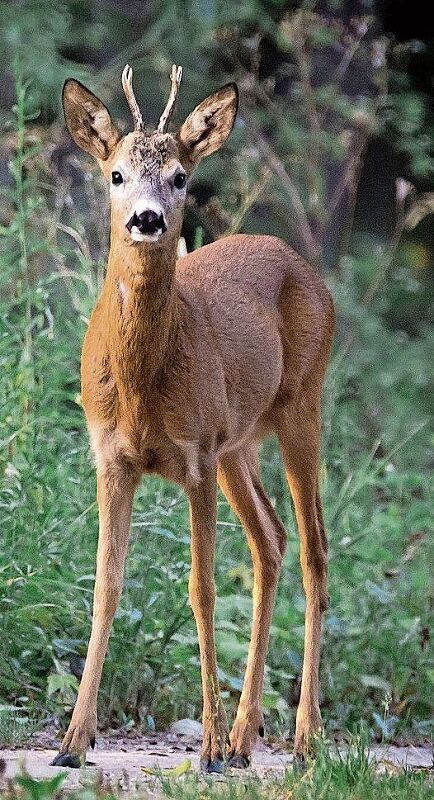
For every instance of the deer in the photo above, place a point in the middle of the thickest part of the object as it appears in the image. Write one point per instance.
(187, 365)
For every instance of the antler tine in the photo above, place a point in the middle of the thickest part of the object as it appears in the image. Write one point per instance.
(127, 84)
(175, 77)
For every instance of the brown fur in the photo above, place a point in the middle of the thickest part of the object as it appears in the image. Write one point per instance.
(186, 366)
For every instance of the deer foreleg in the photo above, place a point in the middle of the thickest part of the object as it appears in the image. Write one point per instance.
(116, 486)
(203, 509)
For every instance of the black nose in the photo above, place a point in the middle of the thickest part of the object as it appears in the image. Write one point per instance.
(147, 222)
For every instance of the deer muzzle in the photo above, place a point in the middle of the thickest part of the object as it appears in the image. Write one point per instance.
(147, 223)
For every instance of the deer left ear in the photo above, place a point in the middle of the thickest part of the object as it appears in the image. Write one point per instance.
(209, 125)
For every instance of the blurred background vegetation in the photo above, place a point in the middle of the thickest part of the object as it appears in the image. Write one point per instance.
(332, 151)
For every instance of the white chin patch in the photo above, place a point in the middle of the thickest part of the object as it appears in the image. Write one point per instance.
(144, 237)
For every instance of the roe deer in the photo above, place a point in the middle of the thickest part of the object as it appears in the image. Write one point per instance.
(186, 366)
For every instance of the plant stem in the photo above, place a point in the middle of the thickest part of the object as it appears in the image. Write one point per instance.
(19, 161)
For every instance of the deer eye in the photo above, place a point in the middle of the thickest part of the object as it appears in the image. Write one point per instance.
(117, 178)
(179, 180)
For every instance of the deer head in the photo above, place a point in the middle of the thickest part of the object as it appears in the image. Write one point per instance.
(148, 170)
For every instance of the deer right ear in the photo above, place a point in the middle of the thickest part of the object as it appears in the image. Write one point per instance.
(88, 121)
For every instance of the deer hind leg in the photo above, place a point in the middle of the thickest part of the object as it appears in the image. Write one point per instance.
(238, 478)
(203, 512)
(116, 487)
(299, 437)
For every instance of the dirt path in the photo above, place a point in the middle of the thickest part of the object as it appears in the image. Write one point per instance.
(119, 761)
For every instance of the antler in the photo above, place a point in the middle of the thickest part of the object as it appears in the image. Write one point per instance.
(175, 77)
(127, 84)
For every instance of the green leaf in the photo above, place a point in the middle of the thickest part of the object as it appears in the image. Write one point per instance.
(41, 789)
(58, 682)
(170, 772)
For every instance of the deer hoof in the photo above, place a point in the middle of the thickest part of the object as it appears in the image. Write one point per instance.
(212, 765)
(66, 760)
(238, 761)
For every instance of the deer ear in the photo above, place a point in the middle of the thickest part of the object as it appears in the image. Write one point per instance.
(209, 125)
(88, 121)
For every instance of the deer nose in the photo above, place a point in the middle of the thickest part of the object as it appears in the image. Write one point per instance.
(148, 222)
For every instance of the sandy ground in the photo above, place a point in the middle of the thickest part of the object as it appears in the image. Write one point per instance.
(118, 762)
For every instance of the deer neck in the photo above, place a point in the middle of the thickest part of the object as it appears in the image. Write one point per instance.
(143, 309)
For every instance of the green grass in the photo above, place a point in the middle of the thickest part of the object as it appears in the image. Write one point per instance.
(16, 730)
